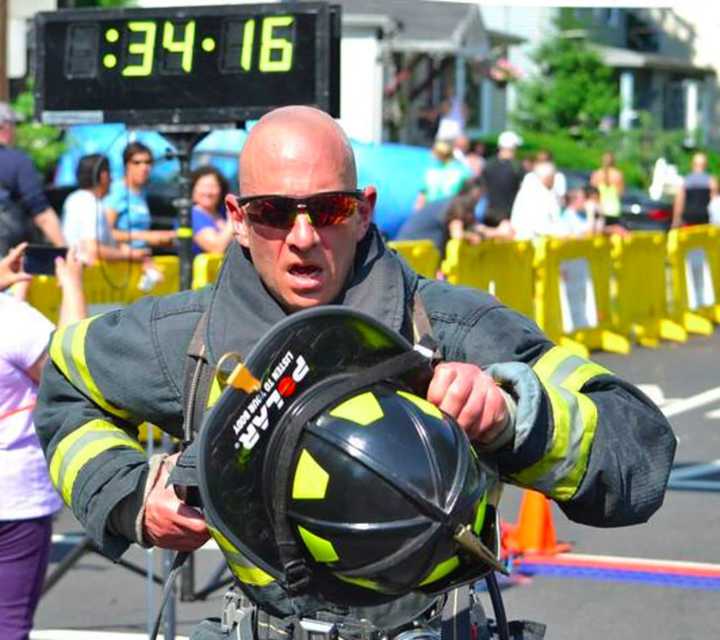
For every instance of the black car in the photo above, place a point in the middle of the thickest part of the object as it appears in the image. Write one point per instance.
(640, 212)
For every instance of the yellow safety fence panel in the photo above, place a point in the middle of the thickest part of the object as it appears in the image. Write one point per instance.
(641, 304)
(572, 294)
(421, 255)
(502, 268)
(694, 254)
(206, 268)
(106, 283)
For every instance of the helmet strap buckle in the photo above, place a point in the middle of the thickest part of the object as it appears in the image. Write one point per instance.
(297, 576)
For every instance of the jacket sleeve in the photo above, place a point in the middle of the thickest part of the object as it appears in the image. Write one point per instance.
(584, 437)
(106, 375)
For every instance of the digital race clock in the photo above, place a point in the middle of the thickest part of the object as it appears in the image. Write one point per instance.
(185, 65)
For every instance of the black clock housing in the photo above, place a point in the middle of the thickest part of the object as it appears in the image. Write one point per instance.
(185, 65)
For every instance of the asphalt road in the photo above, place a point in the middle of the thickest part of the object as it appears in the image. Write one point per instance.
(98, 597)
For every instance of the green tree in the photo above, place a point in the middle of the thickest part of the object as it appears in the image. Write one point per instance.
(572, 91)
(41, 142)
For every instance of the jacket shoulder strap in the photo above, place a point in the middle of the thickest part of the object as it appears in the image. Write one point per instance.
(197, 380)
(420, 319)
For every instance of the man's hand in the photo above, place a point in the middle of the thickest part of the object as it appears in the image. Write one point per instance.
(468, 394)
(11, 267)
(168, 522)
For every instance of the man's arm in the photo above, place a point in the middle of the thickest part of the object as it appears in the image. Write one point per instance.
(105, 377)
(587, 439)
(678, 206)
(49, 223)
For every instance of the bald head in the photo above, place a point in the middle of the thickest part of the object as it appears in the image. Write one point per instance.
(296, 150)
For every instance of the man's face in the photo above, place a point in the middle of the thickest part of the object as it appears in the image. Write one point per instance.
(303, 266)
(138, 168)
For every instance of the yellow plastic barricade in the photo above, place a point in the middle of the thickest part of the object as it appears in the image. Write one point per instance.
(502, 268)
(206, 267)
(421, 255)
(641, 307)
(111, 283)
(694, 254)
(572, 294)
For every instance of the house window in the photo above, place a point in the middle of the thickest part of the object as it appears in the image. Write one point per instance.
(641, 35)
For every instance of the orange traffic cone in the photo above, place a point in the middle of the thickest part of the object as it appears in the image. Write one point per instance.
(534, 532)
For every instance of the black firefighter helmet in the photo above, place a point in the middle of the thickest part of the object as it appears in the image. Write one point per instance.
(326, 477)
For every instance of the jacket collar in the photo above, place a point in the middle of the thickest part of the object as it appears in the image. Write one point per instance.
(242, 310)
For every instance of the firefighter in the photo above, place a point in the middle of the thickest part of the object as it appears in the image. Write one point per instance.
(304, 238)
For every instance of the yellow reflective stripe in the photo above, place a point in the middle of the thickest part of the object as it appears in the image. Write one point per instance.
(360, 582)
(56, 352)
(240, 566)
(86, 454)
(480, 511)
(562, 367)
(107, 436)
(584, 373)
(566, 488)
(560, 471)
(320, 548)
(442, 570)
(561, 437)
(550, 361)
(77, 350)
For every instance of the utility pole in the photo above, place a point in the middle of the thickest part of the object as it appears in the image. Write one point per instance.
(4, 88)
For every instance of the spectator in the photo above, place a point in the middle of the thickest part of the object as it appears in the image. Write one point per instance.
(22, 200)
(444, 177)
(693, 196)
(476, 157)
(593, 210)
(212, 233)
(559, 182)
(27, 498)
(574, 220)
(536, 211)
(502, 177)
(460, 219)
(127, 209)
(610, 183)
(432, 221)
(84, 223)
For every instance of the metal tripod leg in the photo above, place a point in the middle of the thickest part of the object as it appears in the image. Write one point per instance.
(187, 581)
(86, 545)
(80, 549)
(215, 582)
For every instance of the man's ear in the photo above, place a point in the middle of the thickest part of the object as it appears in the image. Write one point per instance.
(236, 217)
(366, 210)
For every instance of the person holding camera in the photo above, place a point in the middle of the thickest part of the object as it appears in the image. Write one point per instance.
(27, 498)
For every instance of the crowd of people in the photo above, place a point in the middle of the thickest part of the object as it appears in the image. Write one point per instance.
(501, 197)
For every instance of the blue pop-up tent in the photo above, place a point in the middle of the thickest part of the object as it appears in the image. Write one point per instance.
(396, 170)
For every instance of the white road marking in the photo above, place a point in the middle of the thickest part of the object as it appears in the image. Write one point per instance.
(693, 402)
(656, 394)
(68, 634)
(713, 415)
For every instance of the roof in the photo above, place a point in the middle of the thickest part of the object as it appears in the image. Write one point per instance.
(422, 26)
(625, 58)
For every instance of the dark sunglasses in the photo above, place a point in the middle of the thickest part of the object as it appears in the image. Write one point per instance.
(324, 209)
